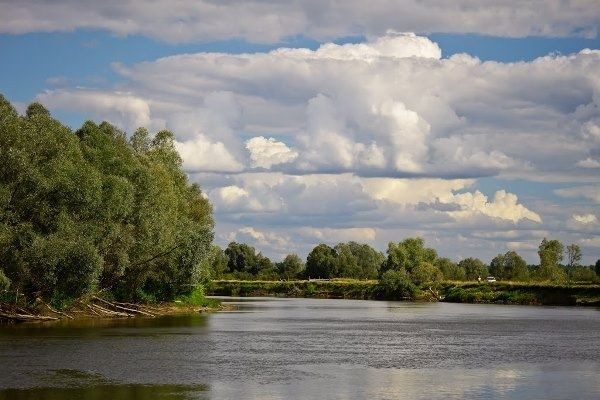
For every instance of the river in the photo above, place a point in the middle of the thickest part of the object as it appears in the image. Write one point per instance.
(312, 349)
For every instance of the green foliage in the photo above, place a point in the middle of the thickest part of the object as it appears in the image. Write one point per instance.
(474, 268)
(396, 284)
(244, 258)
(583, 274)
(408, 254)
(93, 211)
(426, 274)
(197, 298)
(550, 252)
(597, 267)
(509, 266)
(358, 261)
(4, 282)
(550, 273)
(291, 267)
(321, 262)
(450, 270)
(573, 255)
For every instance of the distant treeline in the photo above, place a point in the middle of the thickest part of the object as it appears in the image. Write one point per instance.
(92, 211)
(406, 266)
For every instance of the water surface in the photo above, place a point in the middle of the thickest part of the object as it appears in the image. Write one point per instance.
(311, 348)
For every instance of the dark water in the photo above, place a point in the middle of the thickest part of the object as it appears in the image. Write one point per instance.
(308, 349)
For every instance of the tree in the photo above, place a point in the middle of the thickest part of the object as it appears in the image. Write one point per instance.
(36, 109)
(573, 255)
(426, 274)
(551, 254)
(450, 270)
(396, 284)
(321, 262)
(408, 254)
(597, 267)
(583, 274)
(359, 261)
(85, 211)
(291, 267)
(509, 266)
(244, 258)
(474, 268)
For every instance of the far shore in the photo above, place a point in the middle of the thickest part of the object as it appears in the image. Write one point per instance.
(533, 293)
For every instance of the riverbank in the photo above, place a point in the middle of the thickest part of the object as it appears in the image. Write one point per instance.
(100, 308)
(455, 292)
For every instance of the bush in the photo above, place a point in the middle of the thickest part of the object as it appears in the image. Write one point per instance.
(396, 284)
(583, 274)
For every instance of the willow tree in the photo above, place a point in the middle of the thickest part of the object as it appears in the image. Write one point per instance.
(91, 210)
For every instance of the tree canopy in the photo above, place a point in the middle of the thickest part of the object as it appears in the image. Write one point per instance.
(91, 210)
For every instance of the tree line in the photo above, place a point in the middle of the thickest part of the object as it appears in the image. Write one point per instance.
(409, 261)
(91, 211)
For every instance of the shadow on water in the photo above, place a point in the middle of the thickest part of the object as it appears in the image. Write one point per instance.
(139, 326)
(75, 384)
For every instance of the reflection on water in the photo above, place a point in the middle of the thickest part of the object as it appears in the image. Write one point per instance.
(73, 384)
(310, 348)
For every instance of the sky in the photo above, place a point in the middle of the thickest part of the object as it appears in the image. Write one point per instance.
(475, 125)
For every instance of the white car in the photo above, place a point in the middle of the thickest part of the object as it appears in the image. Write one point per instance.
(490, 279)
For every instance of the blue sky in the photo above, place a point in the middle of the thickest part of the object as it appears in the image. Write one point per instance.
(415, 138)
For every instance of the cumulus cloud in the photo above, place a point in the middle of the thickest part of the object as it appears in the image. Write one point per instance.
(254, 20)
(265, 153)
(503, 206)
(382, 139)
(388, 107)
(200, 154)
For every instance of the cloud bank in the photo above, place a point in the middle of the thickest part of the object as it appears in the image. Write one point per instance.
(273, 21)
(383, 138)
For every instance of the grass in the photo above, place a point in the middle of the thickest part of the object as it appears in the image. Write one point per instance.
(197, 298)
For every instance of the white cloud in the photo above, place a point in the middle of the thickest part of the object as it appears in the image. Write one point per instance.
(503, 206)
(590, 192)
(589, 163)
(388, 107)
(265, 153)
(126, 109)
(259, 238)
(200, 154)
(254, 20)
(585, 219)
(333, 236)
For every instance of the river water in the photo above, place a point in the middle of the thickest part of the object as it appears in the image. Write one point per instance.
(312, 349)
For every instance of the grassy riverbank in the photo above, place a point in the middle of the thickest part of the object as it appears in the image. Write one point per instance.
(458, 292)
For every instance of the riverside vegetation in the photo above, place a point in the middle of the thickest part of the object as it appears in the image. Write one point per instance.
(91, 214)
(93, 220)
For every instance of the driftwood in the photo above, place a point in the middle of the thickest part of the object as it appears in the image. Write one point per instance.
(110, 312)
(52, 310)
(436, 294)
(122, 308)
(24, 317)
